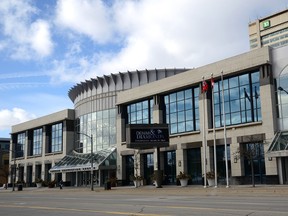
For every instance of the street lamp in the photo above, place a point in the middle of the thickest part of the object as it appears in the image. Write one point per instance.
(14, 173)
(281, 89)
(91, 171)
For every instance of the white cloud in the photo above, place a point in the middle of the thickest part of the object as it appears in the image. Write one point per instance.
(30, 109)
(155, 34)
(27, 39)
(86, 17)
(13, 117)
(40, 38)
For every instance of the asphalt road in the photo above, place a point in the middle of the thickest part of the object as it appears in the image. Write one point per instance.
(145, 202)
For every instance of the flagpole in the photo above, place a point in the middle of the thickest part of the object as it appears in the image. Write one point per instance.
(204, 134)
(214, 134)
(256, 97)
(225, 136)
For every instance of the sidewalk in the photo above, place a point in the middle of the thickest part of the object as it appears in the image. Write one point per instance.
(173, 190)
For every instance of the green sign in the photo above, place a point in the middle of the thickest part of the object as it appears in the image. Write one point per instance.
(266, 24)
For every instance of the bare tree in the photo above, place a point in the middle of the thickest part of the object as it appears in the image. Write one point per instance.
(4, 173)
(250, 153)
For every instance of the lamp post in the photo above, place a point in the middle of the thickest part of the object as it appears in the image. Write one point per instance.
(281, 89)
(14, 174)
(91, 171)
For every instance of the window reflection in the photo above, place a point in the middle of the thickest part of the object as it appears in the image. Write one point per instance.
(140, 112)
(37, 141)
(241, 99)
(102, 126)
(57, 137)
(282, 98)
(182, 110)
(20, 145)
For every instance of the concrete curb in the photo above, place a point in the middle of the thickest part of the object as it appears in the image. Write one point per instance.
(239, 190)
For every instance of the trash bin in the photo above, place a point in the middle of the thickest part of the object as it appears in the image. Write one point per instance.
(107, 186)
(20, 187)
(159, 177)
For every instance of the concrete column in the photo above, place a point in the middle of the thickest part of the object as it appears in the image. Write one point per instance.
(181, 161)
(280, 170)
(236, 168)
(43, 170)
(121, 136)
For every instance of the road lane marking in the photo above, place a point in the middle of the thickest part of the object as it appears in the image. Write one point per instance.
(81, 210)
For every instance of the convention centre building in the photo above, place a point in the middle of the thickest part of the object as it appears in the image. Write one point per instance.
(214, 115)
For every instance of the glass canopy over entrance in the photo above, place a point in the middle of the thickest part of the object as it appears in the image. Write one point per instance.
(75, 161)
(279, 146)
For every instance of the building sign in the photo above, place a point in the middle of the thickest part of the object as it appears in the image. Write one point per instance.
(266, 24)
(143, 136)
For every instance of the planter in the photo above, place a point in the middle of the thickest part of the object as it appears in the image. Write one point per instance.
(137, 183)
(107, 186)
(20, 187)
(183, 182)
(211, 182)
(155, 183)
(39, 184)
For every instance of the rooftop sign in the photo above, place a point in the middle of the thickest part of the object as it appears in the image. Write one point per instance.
(266, 24)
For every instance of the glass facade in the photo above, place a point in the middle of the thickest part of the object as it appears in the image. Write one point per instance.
(140, 112)
(170, 167)
(282, 99)
(182, 110)
(129, 168)
(100, 124)
(37, 141)
(275, 39)
(148, 161)
(20, 147)
(242, 99)
(194, 165)
(220, 156)
(255, 152)
(57, 137)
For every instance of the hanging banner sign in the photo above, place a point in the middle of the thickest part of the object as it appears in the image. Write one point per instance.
(143, 136)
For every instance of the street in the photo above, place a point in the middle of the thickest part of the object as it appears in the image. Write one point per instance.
(144, 202)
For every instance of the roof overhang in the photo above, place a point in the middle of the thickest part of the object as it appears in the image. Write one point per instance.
(76, 162)
(279, 145)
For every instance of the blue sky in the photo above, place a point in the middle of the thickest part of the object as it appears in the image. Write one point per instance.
(48, 46)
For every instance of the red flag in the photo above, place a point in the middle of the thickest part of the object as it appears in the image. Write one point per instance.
(212, 82)
(204, 86)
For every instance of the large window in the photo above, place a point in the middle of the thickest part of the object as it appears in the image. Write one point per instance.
(182, 110)
(242, 100)
(57, 137)
(37, 141)
(20, 146)
(282, 98)
(100, 124)
(140, 112)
